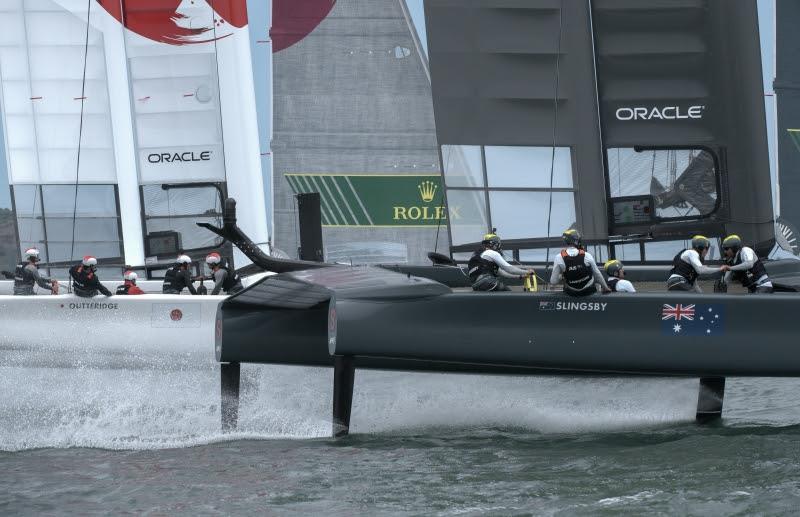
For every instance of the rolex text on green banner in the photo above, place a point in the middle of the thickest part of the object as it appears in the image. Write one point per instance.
(375, 199)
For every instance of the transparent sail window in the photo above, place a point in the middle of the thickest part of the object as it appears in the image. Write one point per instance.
(66, 223)
(521, 215)
(528, 167)
(468, 215)
(682, 182)
(176, 208)
(463, 166)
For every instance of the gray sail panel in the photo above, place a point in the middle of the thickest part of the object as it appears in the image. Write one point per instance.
(688, 75)
(787, 90)
(493, 72)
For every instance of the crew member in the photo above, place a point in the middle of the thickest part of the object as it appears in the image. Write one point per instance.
(224, 278)
(616, 277)
(688, 265)
(84, 279)
(129, 287)
(178, 277)
(577, 267)
(487, 263)
(743, 264)
(26, 275)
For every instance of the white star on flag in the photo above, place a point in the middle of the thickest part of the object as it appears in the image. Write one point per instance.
(676, 328)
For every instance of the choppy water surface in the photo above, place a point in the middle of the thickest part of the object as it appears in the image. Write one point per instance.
(134, 435)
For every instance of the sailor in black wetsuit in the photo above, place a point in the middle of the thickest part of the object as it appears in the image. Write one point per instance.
(577, 268)
(84, 279)
(616, 277)
(224, 278)
(688, 265)
(487, 263)
(743, 264)
(27, 276)
(177, 278)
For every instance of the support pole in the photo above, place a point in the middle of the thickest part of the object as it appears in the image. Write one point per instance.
(709, 399)
(344, 370)
(229, 375)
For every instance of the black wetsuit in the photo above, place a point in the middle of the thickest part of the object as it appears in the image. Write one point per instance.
(85, 282)
(176, 280)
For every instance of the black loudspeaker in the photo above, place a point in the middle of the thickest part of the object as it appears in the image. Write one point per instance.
(310, 215)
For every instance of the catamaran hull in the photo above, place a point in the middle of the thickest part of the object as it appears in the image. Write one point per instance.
(406, 323)
(162, 326)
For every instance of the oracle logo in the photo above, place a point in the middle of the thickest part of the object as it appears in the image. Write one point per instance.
(663, 113)
(186, 156)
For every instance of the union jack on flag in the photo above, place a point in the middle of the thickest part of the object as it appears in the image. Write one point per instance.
(677, 312)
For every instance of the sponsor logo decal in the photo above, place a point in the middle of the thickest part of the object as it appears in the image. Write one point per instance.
(93, 306)
(693, 319)
(176, 315)
(660, 113)
(573, 306)
(186, 156)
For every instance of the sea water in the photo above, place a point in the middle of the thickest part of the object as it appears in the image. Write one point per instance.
(115, 434)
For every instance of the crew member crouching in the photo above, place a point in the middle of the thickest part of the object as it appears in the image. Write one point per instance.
(743, 264)
(224, 278)
(177, 278)
(27, 276)
(487, 262)
(84, 279)
(616, 277)
(129, 287)
(688, 265)
(577, 267)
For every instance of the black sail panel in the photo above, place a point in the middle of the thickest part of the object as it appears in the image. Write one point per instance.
(494, 70)
(682, 114)
(787, 90)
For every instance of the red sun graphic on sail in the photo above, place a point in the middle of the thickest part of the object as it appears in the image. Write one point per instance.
(179, 22)
(184, 22)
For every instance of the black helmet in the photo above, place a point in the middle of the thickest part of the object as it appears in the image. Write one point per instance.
(700, 242)
(572, 237)
(492, 241)
(732, 242)
(613, 267)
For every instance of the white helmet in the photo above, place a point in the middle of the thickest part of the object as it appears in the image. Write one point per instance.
(31, 253)
(183, 259)
(212, 259)
(89, 260)
(130, 275)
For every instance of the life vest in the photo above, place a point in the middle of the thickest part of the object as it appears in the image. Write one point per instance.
(122, 289)
(612, 283)
(23, 280)
(749, 277)
(478, 266)
(682, 268)
(232, 281)
(174, 280)
(577, 275)
(83, 281)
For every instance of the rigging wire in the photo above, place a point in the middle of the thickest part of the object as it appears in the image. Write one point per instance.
(555, 125)
(80, 130)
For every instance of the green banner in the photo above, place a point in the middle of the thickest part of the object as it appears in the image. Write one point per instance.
(375, 199)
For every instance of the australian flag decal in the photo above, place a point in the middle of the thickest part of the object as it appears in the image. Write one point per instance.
(693, 319)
